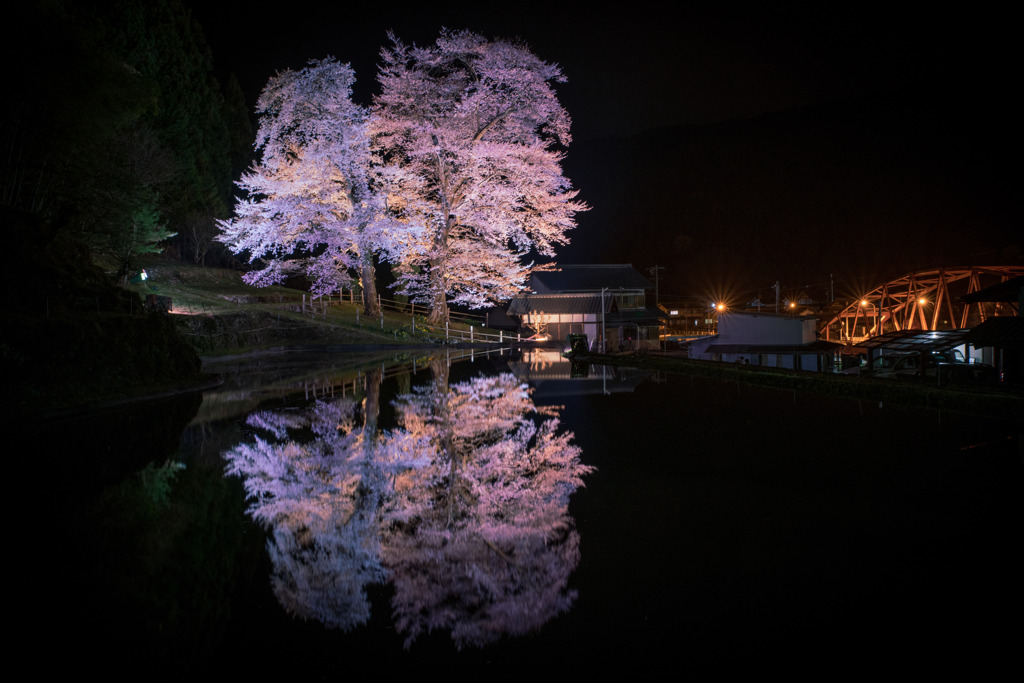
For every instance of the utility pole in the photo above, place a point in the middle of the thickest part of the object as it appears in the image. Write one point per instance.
(654, 271)
(776, 296)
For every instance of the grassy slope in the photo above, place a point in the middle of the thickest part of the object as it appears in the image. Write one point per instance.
(73, 340)
(219, 314)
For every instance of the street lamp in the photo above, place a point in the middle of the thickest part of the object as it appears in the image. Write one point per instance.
(878, 315)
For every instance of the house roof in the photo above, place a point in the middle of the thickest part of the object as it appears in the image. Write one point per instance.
(818, 346)
(999, 332)
(767, 314)
(588, 278)
(636, 316)
(1006, 291)
(916, 340)
(557, 304)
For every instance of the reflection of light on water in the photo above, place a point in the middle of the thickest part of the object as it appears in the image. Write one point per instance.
(552, 375)
(542, 359)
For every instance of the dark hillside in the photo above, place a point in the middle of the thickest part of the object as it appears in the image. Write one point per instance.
(71, 336)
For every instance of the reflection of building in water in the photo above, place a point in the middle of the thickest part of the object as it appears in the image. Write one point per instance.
(552, 375)
(601, 301)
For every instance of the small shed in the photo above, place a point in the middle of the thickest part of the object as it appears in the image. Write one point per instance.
(767, 339)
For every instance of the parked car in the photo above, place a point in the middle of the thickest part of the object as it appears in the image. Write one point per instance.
(942, 367)
(883, 366)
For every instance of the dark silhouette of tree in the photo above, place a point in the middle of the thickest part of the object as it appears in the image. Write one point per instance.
(115, 130)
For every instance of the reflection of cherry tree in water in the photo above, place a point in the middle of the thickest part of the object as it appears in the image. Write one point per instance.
(320, 498)
(464, 507)
(480, 540)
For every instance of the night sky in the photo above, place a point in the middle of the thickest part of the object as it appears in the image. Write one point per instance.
(734, 148)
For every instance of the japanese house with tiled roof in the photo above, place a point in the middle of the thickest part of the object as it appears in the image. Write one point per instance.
(604, 302)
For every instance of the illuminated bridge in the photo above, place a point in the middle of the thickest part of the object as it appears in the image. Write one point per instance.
(923, 300)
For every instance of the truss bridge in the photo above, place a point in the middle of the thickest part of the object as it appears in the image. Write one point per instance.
(930, 300)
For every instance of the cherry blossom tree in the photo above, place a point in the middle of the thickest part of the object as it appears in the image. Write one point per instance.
(473, 129)
(309, 206)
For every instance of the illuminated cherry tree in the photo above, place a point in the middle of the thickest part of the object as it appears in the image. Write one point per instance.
(308, 205)
(471, 130)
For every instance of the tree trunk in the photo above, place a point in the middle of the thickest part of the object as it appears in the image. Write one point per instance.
(438, 263)
(439, 306)
(371, 403)
(368, 281)
(441, 410)
(123, 266)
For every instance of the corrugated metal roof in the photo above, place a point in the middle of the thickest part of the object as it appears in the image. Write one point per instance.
(588, 278)
(1000, 332)
(819, 346)
(916, 340)
(769, 314)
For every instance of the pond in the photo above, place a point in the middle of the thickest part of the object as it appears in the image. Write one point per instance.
(512, 512)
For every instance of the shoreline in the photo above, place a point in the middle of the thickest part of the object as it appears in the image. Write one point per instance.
(998, 402)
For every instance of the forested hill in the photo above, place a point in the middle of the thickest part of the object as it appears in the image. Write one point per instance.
(115, 127)
(117, 140)
(861, 190)
(72, 337)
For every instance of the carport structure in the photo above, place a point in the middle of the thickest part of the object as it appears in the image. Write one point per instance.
(912, 341)
(931, 300)
(920, 341)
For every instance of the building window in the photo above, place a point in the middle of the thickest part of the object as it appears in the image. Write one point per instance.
(629, 301)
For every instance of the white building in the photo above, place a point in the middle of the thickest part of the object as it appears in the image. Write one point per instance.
(768, 339)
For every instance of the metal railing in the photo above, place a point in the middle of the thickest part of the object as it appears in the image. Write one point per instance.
(476, 332)
(472, 335)
(412, 308)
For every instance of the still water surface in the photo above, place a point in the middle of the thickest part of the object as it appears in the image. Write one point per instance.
(512, 512)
